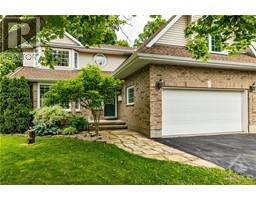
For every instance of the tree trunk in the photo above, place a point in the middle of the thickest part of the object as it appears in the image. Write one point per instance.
(96, 118)
(31, 137)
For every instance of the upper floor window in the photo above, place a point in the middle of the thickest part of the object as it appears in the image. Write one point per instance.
(100, 59)
(214, 44)
(36, 56)
(62, 57)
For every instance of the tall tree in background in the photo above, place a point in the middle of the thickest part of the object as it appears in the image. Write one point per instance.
(234, 32)
(94, 29)
(155, 22)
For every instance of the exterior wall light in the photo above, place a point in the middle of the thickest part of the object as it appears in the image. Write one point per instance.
(160, 84)
(253, 87)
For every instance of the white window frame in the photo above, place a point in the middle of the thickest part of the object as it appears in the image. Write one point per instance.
(100, 54)
(127, 95)
(39, 94)
(69, 107)
(74, 56)
(69, 59)
(210, 47)
(39, 52)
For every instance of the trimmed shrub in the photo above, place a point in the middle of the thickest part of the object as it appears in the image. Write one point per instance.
(43, 129)
(79, 122)
(15, 105)
(69, 131)
(51, 116)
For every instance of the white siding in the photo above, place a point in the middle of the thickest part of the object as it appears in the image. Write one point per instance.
(195, 17)
(65, 41)
(175, 35)
(113, 61)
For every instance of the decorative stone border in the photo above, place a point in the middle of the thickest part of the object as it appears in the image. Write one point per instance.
(136, 143)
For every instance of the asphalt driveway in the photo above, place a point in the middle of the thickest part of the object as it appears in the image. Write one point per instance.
(236, 151)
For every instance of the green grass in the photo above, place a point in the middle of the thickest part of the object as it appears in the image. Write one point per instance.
(58, 160)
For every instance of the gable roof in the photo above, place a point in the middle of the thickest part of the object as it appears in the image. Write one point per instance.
(157, 32)
(67, 40)
(163, 30)
(73, 39)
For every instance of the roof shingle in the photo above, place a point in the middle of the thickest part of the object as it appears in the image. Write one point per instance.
(32, 73)
(183, 52)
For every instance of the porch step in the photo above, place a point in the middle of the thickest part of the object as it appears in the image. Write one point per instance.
(110, 125)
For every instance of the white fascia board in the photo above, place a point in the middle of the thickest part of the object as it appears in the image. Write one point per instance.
(163, 31)
(191, 61)
(105, 50)
(126, 64)
(252, 48)
(15, 71)
(74, 39)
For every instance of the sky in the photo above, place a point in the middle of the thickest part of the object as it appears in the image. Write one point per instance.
(134, 27)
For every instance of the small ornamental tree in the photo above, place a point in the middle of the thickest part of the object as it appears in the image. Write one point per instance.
(92, 87)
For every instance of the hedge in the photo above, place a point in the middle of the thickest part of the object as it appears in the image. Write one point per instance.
(15, 105)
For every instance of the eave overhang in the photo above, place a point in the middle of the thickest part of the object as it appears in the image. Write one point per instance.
(139, 60)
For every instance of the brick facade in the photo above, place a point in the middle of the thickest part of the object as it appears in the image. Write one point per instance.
(146, 114)
(136, 116)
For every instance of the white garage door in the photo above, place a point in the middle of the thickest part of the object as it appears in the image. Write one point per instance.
(201, 111)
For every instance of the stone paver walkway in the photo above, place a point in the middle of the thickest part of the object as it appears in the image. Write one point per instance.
(136, 143)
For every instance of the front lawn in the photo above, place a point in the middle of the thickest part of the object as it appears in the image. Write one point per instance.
(58, 160)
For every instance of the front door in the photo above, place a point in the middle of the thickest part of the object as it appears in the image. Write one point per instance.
(110, 110)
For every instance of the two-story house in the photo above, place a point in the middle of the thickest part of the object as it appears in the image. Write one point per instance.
(166, 92)
(71, 56)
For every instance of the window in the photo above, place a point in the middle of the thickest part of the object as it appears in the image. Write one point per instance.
(214, 44)
(62, 57)
(100, 59)
(67, 108)
(76, 60)
(130, 95)
(37, 56)
(43, 88)
(77, 105)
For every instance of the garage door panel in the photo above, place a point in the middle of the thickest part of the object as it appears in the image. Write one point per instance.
(194, 111)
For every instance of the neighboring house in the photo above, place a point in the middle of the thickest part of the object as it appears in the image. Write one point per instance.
(71, 57)
(167, 93)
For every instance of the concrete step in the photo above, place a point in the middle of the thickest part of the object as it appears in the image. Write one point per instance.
(110, 122)
(111, 127)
